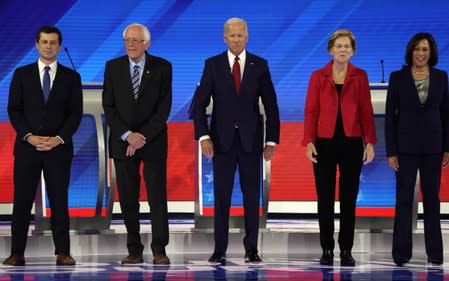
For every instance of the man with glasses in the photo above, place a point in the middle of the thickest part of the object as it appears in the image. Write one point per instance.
(45, 107)
(137, 96)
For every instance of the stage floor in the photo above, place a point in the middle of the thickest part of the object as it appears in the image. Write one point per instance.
(289, 249)
(377, 266)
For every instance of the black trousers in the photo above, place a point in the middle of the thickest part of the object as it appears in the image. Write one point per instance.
(28, 166)
(155, 176)
(429, 167)
(346, 154)
(224, 167)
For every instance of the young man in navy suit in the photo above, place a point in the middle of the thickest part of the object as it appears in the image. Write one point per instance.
(236, 79)
(45, 108)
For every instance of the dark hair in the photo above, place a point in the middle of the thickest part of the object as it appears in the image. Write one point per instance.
(433, 60)
(48, 29)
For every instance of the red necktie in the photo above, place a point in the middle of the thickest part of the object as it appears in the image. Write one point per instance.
(236, 74)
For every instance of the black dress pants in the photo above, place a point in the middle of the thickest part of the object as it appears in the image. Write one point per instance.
(28, 165)
(429, 167)
(346, 154)
(128, 178)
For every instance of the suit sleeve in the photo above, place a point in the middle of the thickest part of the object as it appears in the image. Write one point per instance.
(270, 104)
(109, 104)
(202, 100)
(391, 106)
(16, 106)
(366, 112)
(158, 121)
(74, 108)
(311, 109)
(445, 114)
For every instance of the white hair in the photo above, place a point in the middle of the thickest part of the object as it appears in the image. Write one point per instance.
(146, 32)
(235, 20)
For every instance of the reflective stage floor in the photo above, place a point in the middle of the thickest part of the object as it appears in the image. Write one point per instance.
(195, 267)
(289, 249)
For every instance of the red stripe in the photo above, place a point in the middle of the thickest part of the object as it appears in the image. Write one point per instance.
(235, 211)
(80, 212)
(374, 212)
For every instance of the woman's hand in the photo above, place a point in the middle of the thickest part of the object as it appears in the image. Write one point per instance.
(311, 152)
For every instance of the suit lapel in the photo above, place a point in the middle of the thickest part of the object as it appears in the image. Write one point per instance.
(36, 80)
(247, 69)
(146, 75)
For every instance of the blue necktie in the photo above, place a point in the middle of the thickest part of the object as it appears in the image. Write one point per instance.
(135, 80)
(46, 83)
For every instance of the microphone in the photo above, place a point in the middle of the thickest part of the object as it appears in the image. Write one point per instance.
(70, 58)
(383, 72)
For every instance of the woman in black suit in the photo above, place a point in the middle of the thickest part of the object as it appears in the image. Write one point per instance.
(417, 139)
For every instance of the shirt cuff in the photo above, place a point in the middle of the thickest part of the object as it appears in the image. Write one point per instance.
(205, 137)
(25, 137)
(62, 141)
(272, 143)
(125, 135)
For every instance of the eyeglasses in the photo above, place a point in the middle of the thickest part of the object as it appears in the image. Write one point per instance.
(339, 46)
(132, 41)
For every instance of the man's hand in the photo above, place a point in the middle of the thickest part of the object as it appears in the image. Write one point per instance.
(44, 143)
(268, 152)
(393, 162)
(136, 141)
(207, 147)
(130, 151)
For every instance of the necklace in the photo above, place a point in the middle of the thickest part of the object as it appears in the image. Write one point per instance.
(420, 74)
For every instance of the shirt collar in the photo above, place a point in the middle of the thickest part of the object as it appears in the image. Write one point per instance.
(53, 66)
(242, 57)
(140, 63)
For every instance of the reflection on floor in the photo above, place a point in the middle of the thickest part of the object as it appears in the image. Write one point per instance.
(195, 267)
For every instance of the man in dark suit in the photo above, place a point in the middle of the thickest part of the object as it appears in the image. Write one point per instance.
(236, 79)
(45, 107)
(137, 95)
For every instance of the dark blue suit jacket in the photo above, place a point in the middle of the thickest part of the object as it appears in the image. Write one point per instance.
(28, 112)
(412, 127)
(230, 107)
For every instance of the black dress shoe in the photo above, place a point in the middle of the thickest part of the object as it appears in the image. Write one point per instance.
(252, 256)
(401, 262)
(346, 258)
(217, 258)
(435, 261)
(327, 258)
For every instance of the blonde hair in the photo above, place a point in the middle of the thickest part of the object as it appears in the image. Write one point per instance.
(341, 33)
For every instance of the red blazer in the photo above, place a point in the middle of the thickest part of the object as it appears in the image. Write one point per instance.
(320, 112)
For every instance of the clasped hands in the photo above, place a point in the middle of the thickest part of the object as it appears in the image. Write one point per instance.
(207, 147)
(135, 141)
(43, 143)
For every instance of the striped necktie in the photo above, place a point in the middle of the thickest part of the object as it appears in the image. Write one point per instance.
(135, 80)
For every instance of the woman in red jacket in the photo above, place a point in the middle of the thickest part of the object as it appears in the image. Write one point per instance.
(339, 131)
